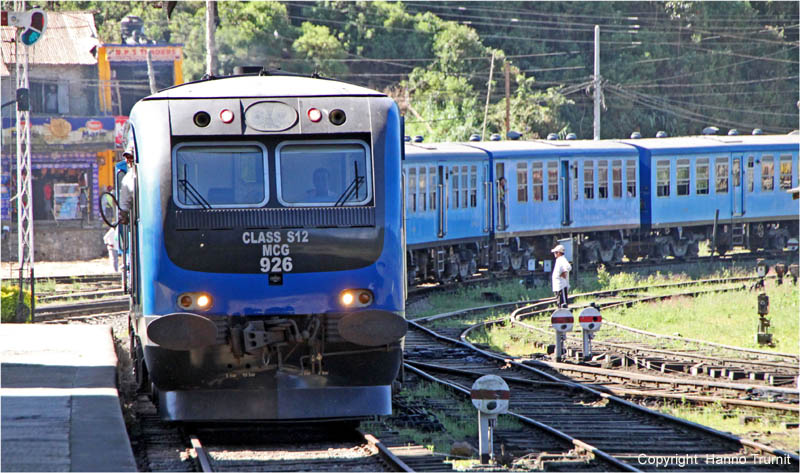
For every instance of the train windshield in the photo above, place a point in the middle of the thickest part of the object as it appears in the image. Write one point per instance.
(212, 175)
(324, 173)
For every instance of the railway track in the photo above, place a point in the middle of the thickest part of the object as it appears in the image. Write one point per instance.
(614, 430)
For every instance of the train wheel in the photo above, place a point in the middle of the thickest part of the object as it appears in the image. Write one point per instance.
(722, 249)
(516, 261)
(463, 270)
(139, 366)
(778, 242)
(619, 252)
(693, 249)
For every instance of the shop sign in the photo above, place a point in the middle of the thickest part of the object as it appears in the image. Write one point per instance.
(139, 53)
(119, 128)
(67, 132)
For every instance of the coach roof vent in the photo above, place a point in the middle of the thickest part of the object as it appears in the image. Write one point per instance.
(474, 137)
(418, 139)
(407, 139)
(495, 137)
(572, 136)
(662, 134)
(733, 132)
(636, 135)
(552, 136)
(758, 131)
(710, 130)
(513, 135)
(244, 70)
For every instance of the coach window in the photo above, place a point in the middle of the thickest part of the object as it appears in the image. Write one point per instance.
(522, 182)
(324, 173)
(575, 189)
(433, 187)
(682, 177)
(219, 175)
(464, 187)
(552, 180)
(423, 189)
(749, 173)
(701, 176)
(412, 190)
(767, 173)
(602, 179)
(537, 181)
(588, 179)
(721, 175)
(630, 177)
(616, 178)
(662, 178)
(454, 181)
(473, 186)
(786, 172)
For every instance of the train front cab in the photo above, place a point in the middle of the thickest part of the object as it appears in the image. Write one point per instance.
(251, 300)
(739, 182)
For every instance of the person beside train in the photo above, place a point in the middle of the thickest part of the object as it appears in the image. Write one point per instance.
(110, 239)
(128, 188)
(560, 278)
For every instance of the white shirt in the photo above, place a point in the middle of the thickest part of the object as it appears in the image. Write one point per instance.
(110, 238)
(561, 266)
(126, 191)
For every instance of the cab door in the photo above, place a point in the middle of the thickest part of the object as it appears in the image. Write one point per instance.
(737, 168)
(441, 195)
(563, 188)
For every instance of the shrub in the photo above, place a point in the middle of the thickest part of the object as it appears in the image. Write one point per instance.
(10, 298)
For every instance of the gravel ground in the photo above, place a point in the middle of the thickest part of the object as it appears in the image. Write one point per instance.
(60, 268)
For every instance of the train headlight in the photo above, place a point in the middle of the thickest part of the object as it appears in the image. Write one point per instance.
(355, 298)
(195, 301)
(314, 115)
(226, 116)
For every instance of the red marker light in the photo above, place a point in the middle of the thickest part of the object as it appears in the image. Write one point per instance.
(314, 115)
(226, 116)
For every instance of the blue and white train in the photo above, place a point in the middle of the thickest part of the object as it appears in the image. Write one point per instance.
(266, 249)
(502, 204)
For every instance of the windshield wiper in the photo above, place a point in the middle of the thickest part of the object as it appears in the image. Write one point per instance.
(351, 189)
(189, 189)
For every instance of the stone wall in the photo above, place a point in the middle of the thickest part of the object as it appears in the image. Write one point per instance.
(65, 241)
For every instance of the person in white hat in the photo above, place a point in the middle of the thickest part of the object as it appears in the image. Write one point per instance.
(128, 187)
(560, 275)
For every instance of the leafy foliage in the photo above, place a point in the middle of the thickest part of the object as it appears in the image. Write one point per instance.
(9, 297)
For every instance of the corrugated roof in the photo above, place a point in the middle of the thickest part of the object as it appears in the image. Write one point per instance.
(68, 40)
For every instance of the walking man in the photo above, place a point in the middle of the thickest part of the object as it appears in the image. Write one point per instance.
(560, 278)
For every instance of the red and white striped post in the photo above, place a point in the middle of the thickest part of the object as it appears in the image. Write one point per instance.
(591, 321)
(490, 395)
(562, 321)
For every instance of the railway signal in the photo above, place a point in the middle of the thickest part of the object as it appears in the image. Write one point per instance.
(763, 337)
(561, 320)
(490, 395)
(591, 321)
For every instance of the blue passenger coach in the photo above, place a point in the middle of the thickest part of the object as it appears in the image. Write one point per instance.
(267, 273)
(738, 181)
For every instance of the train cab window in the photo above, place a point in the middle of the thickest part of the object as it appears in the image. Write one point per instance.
(464, 187)
(454, 180)
(423, 189)
(721, 175)
(767, 173)
(473, 186)
(522, 182)
(432, 187)
(682, 177)
(216, 175)
(588, 180)
(324, 174)
(412, 190)
(602, 179)
(701, 176)
(616, 178)
(630, 177)
(537, 181)
(786, 172)
(662, 178)
(552, 180)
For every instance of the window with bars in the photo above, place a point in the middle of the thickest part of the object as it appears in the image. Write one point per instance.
(588, 179)
(721, 175)
(749, 173)
(616, 178)
(767, 173)
(412, 190)
(630, 177)
(537, 181)
(473, 186)
(423, 189)
(602, 179)
(432, 187)
(522, 182)
(701, 176)
(552, 180)
(786, 172)
(662, 178)
(454, 182)
(464, 187)
(682, 177)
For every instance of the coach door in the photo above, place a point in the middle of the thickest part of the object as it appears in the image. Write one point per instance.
(563, 190)
(737, 168)
(441, 201)
(501, 192)
(487, 201)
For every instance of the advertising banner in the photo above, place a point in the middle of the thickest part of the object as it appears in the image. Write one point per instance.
(79, 133)
(124, 53)
(66, 201)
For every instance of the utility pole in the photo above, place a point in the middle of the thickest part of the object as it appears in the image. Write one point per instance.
(24, 204)
(211, 45)
(488, 94)
(597, 87)
(508, 99)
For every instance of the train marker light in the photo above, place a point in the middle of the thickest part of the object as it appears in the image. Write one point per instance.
(226, 116)
(356, 297)
(314, 115)
(347, 298)
(185, 301)
(203, 301)
(195, 300)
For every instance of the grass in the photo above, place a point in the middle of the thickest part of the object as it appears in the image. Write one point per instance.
(730, 318)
